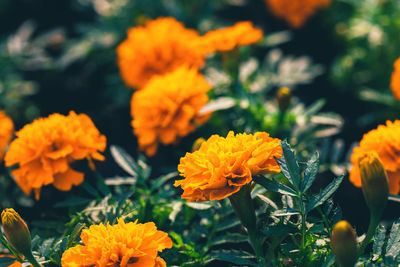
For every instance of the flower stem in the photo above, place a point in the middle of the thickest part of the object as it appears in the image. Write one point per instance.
(32, 260)
(373, 223)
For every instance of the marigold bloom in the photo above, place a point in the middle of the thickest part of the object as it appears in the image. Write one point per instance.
(6, 132)
(223, 165)
(168, 108)
(225, 39)
(164, 44)
(45, 148)
(124, 244)
(395, 81)
(385, 141)
(296, 12)
(159, 47)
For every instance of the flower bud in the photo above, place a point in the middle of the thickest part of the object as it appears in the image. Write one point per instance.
(344, 244)
(374, 182)
(16, 231)
(197, 144)
(283, 97)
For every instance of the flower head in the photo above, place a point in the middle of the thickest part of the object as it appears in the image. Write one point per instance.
(374, 181)
(16, 231)
(395, 81)
(225, 39)
(124, 244)
(385, 141)
(45, 148)
(223, 165)
(296, 12)
(159, 47)
(168, 108)
(344, 243)
(6, 132)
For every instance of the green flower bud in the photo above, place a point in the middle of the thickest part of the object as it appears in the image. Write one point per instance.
(344, 244)
(16, 231)
(283, 97)
(374, 181)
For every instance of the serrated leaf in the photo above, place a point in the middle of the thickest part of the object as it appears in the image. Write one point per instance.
(233, 256)
(124, 160)
(379, 241)
(160, 181)
(228, 223)
(281, 229)
(274, 186)
(393, 244)
(291, 168)
(47, 247)
(230, 238)
(325, 194)
(310, 173)
(74, 201)
(285, 212)
(6, 261)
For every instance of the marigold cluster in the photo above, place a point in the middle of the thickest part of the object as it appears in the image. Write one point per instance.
(223, 165)
(6, 132)
(124, 244)
(168, 108)
(159, 47)
(385, 141)
(45, 148)
(164, 44)
(296, 12)
(395, 81)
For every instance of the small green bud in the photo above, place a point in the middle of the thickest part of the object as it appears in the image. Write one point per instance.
(284, 97)
(374, 181)
(344, 244)
(16, 231)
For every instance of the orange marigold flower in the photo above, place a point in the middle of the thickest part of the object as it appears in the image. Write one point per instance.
(168, 108)
(123, 244)
(45, 148)
(385, 141)
(159, 47)
(296, 12)
(225, 39)
(6, 132)
(223, 165)
(395, 81)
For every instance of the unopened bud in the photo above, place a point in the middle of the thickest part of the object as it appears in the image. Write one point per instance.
(197, 144)
(283, 97)
(374, 181)
(344, 244)
(16, 231)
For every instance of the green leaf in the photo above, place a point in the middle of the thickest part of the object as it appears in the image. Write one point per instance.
(285, 212)
(6, 261)
(379, 241)
(233, 256)
(310, 173)
(124, 160)
(274, 186)
(74, 233)
(47, 247)
(230, 238)
(330, 260)
(74, 201)
(393, 245)
(288, 164)
(160, 181)
(325, 194)
(281, 229)
(229, 223)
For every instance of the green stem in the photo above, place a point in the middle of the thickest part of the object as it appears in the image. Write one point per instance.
(303, 220)
(32, 260)
(373, 223)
